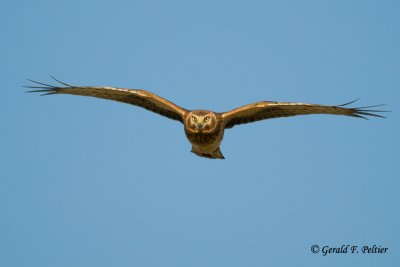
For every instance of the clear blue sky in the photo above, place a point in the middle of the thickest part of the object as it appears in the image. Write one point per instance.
(89, 182)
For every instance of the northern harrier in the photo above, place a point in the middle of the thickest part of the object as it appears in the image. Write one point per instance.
(204, 128)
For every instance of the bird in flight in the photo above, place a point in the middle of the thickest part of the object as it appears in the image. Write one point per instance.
(204, 128)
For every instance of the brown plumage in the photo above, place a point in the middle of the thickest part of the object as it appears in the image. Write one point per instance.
(203, 128)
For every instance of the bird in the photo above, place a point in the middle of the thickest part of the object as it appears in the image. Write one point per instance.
(204, 128)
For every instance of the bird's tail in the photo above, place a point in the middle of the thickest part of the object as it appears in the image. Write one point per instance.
(215, 154)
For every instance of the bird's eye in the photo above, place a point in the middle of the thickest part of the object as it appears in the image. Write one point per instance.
(206, 119)
(194, 118)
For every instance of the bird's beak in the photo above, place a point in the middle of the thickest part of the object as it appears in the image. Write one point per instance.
(199, 126)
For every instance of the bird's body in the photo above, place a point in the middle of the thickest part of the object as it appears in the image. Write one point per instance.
(203, 128)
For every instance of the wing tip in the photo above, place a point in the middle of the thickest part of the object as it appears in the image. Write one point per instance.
(363, 112)
(369, 112)
(48, 89)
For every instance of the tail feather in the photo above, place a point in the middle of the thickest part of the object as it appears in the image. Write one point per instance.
(218, 154)
(215, 154)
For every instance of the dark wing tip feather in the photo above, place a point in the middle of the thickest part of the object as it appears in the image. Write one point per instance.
(66, 84)
(348, 103)
(38, 91)
(48, 89)
(369, 112)
(374, 106)
(50, 93)
(363, 112)
(48, 85)
(358, 115)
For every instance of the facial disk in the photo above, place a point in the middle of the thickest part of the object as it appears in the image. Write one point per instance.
(201, 121)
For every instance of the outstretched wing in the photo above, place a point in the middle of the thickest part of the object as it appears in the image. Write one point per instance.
(268, 110)
(135, 97)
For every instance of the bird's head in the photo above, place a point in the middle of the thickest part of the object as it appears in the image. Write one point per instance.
(201, 121)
